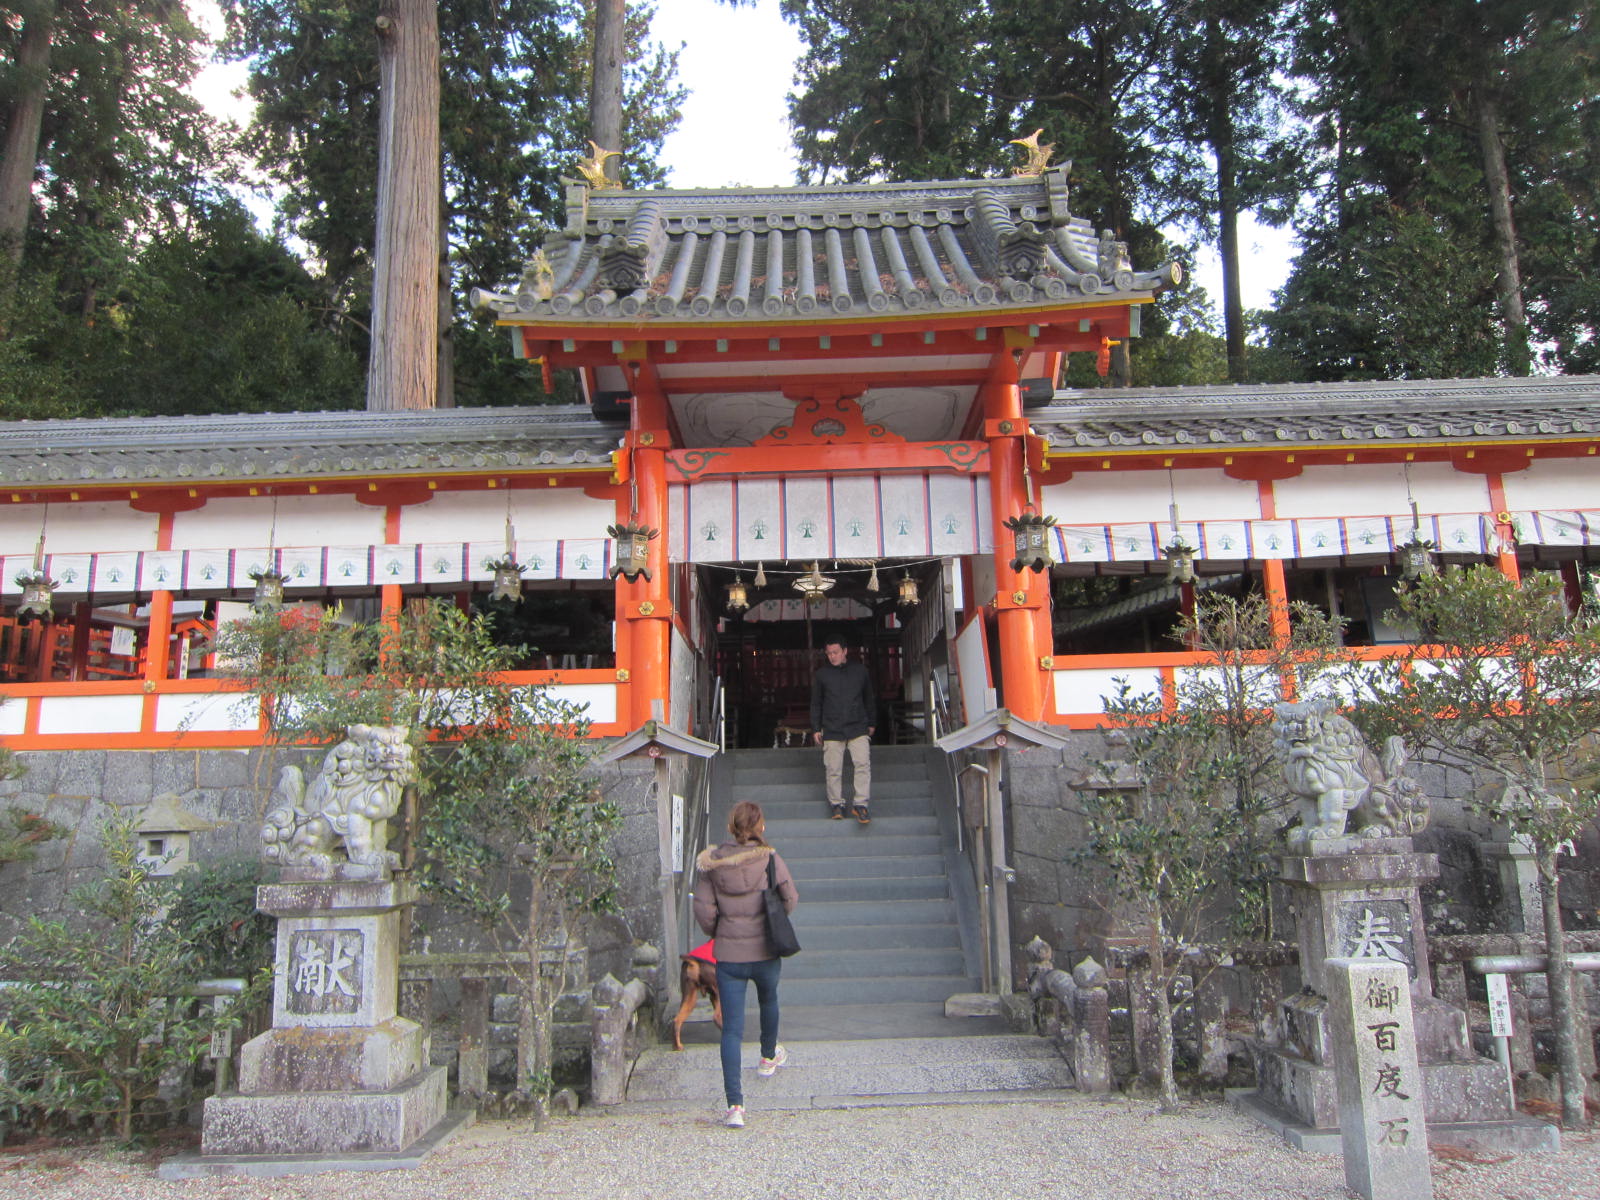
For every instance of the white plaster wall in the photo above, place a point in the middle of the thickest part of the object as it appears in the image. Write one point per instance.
(76, 528)
(246, 521)
(1109, 497)
(551, 513)
(1082, 691)
(1379, 489)
(1555, 483)
(599, 698)
(207, 712)
(13, 715)
(90, 714)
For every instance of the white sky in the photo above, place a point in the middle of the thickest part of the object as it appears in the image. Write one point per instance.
(738, 67)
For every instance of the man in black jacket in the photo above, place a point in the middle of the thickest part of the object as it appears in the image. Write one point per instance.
(843, 713)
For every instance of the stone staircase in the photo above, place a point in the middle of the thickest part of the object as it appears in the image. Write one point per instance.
(880, 921)
(877, 920)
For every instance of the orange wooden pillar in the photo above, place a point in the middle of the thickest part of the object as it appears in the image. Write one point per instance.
(644, 606)
(1505, 558)
(1022, 598)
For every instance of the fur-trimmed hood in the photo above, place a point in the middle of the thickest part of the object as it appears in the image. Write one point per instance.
(736, 869)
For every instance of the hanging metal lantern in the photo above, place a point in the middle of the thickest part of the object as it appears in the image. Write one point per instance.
(1416, 556)
(906, 594)
(633, 549)
(38, 595)
(507, 579)
(1180, 559)
(1030, 534)
(738, 596)
(269, 591)
(814, 585)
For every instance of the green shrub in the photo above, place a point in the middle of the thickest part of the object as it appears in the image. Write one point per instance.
(94, 1016)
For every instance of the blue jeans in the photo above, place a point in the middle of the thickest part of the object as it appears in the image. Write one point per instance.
(731, 978)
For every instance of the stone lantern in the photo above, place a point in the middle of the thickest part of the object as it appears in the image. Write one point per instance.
(164, 831)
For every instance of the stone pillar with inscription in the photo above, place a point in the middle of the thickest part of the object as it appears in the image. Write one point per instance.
(339, 1071)
(1362, 902)
(1381, 1122)
(1355, 894)
(341, 1077)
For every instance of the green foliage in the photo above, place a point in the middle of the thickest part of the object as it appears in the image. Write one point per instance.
(1398, 272)
(1507, 684)
(93, 1018)
(214, 903)
(21, 831)
(211, 317)
(513, 119)
(512, 832)
(1184, 817)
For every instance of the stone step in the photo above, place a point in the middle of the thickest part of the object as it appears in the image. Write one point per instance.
(850, 831)
(853, 839)
(820, 940)
(815, 807)
(914, 887)
(820, 1073)
(862, 866)
(866, 913)
(876, 989)
(874, 962)
(815, 788)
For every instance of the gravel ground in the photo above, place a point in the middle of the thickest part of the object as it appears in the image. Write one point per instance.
(1082, 1147)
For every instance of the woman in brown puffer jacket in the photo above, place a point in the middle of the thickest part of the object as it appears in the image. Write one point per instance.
(729, 906)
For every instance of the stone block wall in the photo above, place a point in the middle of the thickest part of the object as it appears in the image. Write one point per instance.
(77, 789)
(1070, 906)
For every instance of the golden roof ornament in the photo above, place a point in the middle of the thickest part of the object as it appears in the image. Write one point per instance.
(593, 168)
(1038, 156)
(538, 276)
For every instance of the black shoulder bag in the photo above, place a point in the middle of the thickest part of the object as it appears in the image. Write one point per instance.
(780, 931)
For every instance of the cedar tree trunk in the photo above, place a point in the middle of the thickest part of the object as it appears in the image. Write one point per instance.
(605, 80)
(402, 372)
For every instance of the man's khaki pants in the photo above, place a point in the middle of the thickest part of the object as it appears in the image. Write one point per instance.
(860, 768)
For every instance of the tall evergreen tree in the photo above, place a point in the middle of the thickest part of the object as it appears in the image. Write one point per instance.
(514, 82)
(1220, 122)
(103, 142)
(1457, 149)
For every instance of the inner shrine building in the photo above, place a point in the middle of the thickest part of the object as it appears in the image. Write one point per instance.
(838, 411)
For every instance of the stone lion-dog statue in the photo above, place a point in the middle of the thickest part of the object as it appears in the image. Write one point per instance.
(342, 816)
(1335, 777)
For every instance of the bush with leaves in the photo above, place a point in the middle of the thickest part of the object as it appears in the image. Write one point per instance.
(94, 1014)
(511, 831)
(1183, 811)
(1506, 683)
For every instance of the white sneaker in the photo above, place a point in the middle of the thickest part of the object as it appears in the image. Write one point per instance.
(735, 1117)
(770, 1065)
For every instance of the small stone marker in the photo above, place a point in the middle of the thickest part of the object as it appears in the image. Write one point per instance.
(1381, 1121)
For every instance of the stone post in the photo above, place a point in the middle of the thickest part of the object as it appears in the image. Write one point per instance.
(1380, 1082)
(339, 1072)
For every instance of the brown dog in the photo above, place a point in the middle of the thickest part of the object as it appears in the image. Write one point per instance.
(695, 976)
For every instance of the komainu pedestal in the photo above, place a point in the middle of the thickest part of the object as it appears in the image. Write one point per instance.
(339, 1072)
(1361, 902)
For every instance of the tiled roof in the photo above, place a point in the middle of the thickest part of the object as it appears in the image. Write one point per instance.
(815, 253)
(1460, 410)
(265, 445)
